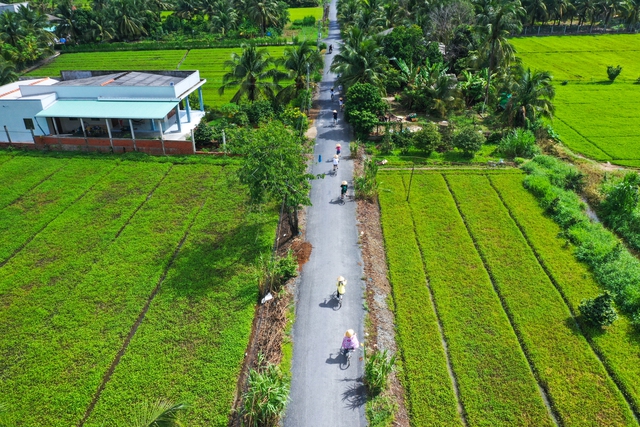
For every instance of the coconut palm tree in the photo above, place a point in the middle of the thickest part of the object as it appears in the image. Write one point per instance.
(129, 18)
(631, 13)
(531, 97)
(265, 13)
(253, 73)
(536, 11)
(224, 16)
(295, 60)
(360, 62)
(496, 21)
(161, 413)
(11, 28)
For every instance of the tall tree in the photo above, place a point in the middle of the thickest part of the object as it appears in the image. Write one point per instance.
(531, 97)
(7, 72)
(224, 16)
(266, 13)
(253, 73)
(496, 21)
(295, 61)
(360, 60)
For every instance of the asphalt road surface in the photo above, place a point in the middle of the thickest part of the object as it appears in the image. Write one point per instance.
(322, 392)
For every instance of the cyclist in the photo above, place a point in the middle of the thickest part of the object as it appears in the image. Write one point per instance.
(349, 342)
(338, 148)
(336, 160)
(335, 117)
(341, 287)
(330, 48)
(343, 190)
(341, 104)
(332, 93)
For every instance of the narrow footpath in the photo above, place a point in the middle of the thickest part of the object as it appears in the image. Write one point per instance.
(323, 394)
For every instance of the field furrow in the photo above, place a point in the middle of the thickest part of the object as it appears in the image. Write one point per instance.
(431, 397)
(28, 215)
(621, 342)
(60, 356)
(204, 309)
(580, 389)
(496, 384)
(23, 173)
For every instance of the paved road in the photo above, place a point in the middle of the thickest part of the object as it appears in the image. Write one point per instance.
(322, 394)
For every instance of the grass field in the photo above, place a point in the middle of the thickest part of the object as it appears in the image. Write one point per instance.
(208, 61)
(504, 290)
(592, 117)
(296, 13)
(103, 242)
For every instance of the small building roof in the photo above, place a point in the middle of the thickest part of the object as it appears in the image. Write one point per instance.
(121, 78)
(109, 109)
(12, 90)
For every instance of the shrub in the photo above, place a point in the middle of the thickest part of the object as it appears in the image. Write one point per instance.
(363, 97)
(427, 139)
(308, 21)
(266, 397)
(494, 137)
(613, 72)
(518, 143)
(381, 411)
(259, 112)
(203, 133)
(468, 140)
(404, 140)
(363, 122)
(621, 200)
(294, 118)
(275, 271)
(599, 311)
(377, 368)
(365, 183)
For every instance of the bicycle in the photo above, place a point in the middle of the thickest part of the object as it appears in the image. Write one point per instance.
(338, 300)
(346, 353)
(342, 198)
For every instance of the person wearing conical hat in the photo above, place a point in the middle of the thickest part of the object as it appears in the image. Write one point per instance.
(350, 341)
(336, 160)
(341, 286)
(335, 117)
(343, 189)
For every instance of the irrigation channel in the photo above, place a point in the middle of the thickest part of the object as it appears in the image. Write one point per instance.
(323, 394)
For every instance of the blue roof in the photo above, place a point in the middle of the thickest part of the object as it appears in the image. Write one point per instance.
(109, 109)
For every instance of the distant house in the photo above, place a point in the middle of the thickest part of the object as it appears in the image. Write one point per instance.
(13, 7)
(143, 104)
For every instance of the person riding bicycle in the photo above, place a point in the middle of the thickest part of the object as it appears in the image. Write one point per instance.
(349, 342)
(332, 93)
(343, 190)
(338, 149)
(336, 160)
(341, 104)
(341, 287)
(330, 48)
(335, 117)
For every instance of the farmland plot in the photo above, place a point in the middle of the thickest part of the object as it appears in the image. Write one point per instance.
(498, 304)
(593, 117)
(143, 233)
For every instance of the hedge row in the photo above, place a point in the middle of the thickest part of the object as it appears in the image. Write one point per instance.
(200, 320)
(613, 266)
(431, 398)
(620, 343)
(171, 45)
(65, 335)
(495, 381)
(22, 219)
(579, 388)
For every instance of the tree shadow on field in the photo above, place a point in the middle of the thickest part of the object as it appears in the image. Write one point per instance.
(215, 262)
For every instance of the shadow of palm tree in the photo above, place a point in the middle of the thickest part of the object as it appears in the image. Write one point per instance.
(355, 396)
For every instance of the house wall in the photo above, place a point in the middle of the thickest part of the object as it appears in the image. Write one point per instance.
(93, 92)
(120, 145)
(12, 113)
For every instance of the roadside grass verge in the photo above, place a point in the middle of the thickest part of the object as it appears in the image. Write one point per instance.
(578, 385)
(21, 220)
(60, 356)
(620, 343)
(20, 174)
(495, 381)
(204, 309)
(431, 397)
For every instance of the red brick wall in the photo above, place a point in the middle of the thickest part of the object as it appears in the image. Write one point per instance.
(149, 146)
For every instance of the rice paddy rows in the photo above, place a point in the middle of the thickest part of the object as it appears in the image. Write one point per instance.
(487, 282)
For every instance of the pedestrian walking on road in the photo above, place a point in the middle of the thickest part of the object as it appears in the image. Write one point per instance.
(335, 117)
(336, 160)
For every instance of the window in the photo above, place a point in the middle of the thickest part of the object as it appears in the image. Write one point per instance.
(28, 124)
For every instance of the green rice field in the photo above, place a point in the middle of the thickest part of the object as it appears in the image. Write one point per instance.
(210, 63)
(136, 275)
(474, 263)
(593, 117)
(296, 13)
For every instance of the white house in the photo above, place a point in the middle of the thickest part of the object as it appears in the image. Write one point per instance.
(101, 103)
(11, 7)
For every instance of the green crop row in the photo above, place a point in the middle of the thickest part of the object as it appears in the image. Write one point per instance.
(431, 398)
(21, 220)
(595, 43)
(61, 356)
(621, 342)
(579, 388)
(204, 309)
(21, 174)
(495, 381)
